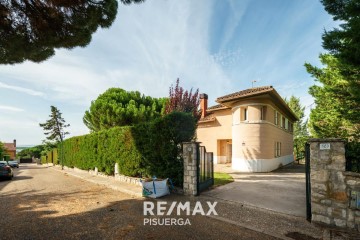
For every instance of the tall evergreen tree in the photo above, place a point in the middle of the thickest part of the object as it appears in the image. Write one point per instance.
(337, 97)
(54, 128)
(343, 41)
(334, 103)
(32, 30)
(117, 107)
(300, 127)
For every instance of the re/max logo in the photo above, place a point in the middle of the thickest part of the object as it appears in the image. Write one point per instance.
(163, 208)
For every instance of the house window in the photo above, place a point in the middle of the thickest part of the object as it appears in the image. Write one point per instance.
(262, 113)
(276, 121)
(286, 124)
(277, 149)
(283, 122)
(245, 114)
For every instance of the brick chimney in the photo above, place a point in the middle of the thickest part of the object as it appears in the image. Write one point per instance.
(203, 104)
(15, 143)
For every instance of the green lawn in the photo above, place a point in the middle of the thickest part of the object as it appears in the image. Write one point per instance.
(222, 179)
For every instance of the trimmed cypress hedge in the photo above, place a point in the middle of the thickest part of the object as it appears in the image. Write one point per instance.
(143, 150)
(51, 157)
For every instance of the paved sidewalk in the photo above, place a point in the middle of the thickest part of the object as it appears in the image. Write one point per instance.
(110, 182)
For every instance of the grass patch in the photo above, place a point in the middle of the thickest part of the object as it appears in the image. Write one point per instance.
(222, 179)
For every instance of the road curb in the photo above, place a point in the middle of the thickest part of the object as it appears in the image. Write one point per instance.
(107, 184)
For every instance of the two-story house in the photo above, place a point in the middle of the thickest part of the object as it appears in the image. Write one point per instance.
(251, 129)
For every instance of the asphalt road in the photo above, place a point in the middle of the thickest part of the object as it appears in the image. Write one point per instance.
(41, 203)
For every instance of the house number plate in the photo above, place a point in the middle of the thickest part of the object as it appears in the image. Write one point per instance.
(324, 146)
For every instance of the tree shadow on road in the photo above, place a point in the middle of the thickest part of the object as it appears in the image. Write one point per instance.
(96, 214)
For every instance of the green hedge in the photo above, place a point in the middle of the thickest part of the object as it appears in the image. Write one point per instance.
(51, 157)
(144, 150)
(43, 159)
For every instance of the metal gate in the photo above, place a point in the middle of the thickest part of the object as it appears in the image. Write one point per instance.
(308, 183)
(205, 169)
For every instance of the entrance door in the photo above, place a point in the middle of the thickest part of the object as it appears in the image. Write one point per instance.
(228, 152)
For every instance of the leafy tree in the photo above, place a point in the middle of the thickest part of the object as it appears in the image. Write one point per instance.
(2, 151)
(183, 101)
(117, 107)
(32, 152)
(32, 30)
(55, 127)
(300, 127)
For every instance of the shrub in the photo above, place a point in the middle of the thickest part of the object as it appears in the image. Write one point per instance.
(143, 150)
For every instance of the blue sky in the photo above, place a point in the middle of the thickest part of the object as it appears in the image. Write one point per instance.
(216, 46)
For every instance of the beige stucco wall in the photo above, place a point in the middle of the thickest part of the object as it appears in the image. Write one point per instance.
(256, 140)
(209, 133)
(252, 139)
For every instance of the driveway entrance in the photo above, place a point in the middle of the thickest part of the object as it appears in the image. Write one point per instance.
(282, 190)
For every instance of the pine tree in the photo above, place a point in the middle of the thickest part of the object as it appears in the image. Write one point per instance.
(55, 127)
(117, 107)
(32, 30)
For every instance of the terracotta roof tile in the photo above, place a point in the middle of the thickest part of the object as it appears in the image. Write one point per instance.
(217, 107)
(208, 118)
(9, 146)
(245, 93)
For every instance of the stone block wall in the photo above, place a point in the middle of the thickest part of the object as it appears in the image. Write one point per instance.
(190, 154)
(331, 185)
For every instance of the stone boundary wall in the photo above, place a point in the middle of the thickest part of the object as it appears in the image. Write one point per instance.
(331, 185)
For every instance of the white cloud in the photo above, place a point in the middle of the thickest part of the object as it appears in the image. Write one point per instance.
(10, 108)
(21, 89)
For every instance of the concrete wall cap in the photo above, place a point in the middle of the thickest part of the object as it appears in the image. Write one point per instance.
(326, 140)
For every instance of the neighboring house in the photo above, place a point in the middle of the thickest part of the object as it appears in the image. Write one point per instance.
(10, 149)
(251, 129)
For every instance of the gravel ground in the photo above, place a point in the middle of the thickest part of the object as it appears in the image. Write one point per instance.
(40, 203)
